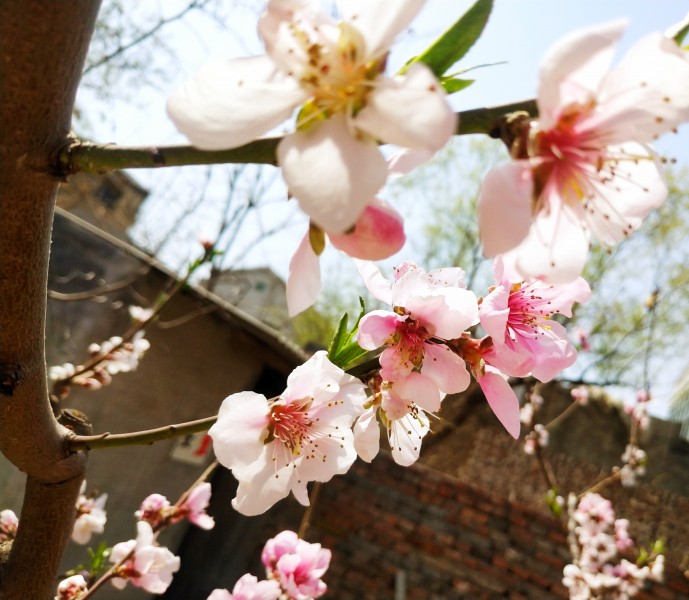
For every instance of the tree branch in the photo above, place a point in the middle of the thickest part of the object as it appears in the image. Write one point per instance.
(81, 156)
(43, 46)
(139, 438)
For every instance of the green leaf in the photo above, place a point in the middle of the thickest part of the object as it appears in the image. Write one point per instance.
(452, 45)
(344, 350)
(454, 84)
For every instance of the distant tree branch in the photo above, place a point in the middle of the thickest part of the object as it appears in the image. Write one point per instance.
(99, 291)
(87, 157)
(144, 36)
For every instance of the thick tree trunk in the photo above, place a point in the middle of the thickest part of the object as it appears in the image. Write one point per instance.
(42, 49)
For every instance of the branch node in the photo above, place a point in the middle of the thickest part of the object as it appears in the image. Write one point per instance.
(11, 375)
(75, 421)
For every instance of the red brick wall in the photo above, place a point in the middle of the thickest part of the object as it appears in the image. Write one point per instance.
(452, 540)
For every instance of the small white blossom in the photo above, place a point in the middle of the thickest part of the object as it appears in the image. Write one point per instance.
(91, 516)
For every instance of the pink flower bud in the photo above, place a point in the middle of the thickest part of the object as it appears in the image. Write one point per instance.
(377, 234)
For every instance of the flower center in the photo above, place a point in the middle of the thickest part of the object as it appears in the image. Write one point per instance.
(408, 339)
(291, 424)
(339, 78)
(529, 312)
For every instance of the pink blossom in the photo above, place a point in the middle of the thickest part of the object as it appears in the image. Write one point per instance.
(427, 308)
(622, 539)
(71, 588)
(91, 516)
(580, 394)
(297, 565)
(195, 505)
(583, 169)
(8, 525)
(634, 462)
(401, 407)
(140, 314)
(144, 563)
(582, 339)
(249, 587)
(305, 435)
(155, 510)
(642, 397)
(538, 438)
(377, 234)
(519, 318)
(334, 73)
(284, 542)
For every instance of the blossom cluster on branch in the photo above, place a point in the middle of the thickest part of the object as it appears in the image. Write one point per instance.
(325, 418)
(598, 572)
(111, 357)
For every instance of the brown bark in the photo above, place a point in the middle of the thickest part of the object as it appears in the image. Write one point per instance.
(42, 49)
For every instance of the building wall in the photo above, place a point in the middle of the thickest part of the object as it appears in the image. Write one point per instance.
(111, 202)
(200, 353)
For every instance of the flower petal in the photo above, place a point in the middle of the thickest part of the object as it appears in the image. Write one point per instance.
(375, 328)
(304, 278)
(367, 435)
(447, 370)
(405, 436)
(241, 429)
(555, 353)
(407, 159)
(289, 28)
(504, 211)
(316, 378)
(556, 248)
(502, 400)
(622, 202)
(647, 94)
(572, 69)
(340, 453)
(493, 313)
(232, 102)
(411, 111)
(379, 287)
(262, 485)
(332, 174)
(379, 21)
(445, 312)
(419, 389)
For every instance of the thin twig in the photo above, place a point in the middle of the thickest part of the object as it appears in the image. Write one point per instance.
(99, 291)
(306, 519)
(204, 310)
